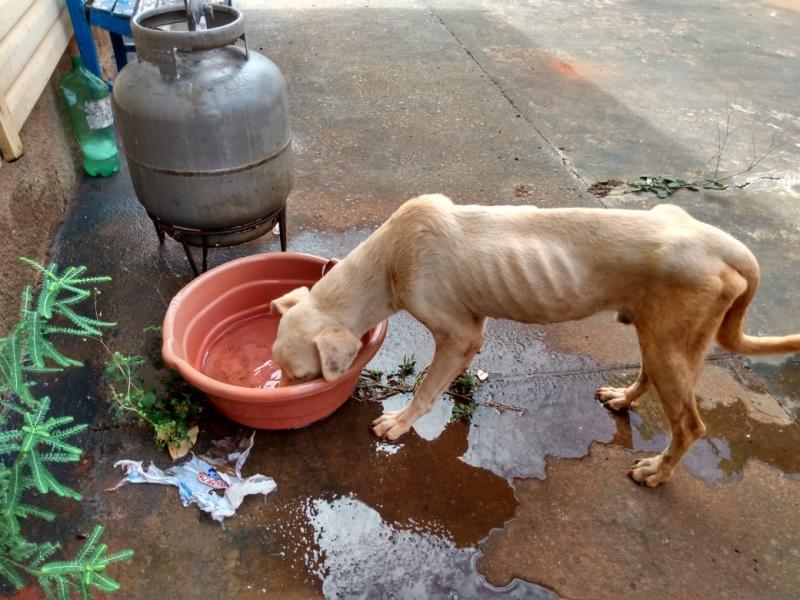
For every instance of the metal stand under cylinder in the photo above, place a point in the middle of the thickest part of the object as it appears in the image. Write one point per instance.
(204, 126)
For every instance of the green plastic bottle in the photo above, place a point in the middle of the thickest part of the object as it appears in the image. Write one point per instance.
(89, 106)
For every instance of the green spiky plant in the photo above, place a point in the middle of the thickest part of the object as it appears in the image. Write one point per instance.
(31, 439)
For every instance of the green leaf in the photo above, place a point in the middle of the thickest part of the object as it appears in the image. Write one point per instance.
(90, 542)
(87, 324)
(59, 488)
(62, 588)
(147, 400)
(65, 433)
(93, 280)
(32, 263)
(56, 443)
(63, 567)
(75, 298)
(23, 550)
(7, 436)
(105, 583)
(61, 457)
(46, 583)
(38, 370)
(47, 296)
(49, 351)
(53, 422)
(34, 432)
(27, 510)
(44, 551)
(65, 330)
(119, 556)
(38, 472)
(11, 575)
(83, 590)
(11, 365)
(25, 305)
(96, 559)
(8, 448)
(15, 486)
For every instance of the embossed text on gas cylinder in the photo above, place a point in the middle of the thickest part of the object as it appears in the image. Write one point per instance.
(161, 56)
(238, 82)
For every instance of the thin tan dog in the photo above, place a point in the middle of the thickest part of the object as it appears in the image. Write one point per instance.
(681, 283)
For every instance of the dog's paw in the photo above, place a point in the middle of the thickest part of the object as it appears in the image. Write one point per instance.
(649, 472)
(613, 398)
(391, 425)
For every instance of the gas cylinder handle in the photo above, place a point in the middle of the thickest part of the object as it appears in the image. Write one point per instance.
(246, 51)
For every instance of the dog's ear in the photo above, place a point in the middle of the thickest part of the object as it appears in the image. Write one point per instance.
(337, 348)
(279, 306)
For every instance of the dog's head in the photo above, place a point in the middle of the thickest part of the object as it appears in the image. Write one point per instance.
(310, 343)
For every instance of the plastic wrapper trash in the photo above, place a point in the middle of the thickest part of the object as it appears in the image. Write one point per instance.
(215, 484)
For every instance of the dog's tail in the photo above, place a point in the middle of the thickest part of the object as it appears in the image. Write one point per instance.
(730, 334)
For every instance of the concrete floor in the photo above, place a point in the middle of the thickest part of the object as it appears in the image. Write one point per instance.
(495, 102)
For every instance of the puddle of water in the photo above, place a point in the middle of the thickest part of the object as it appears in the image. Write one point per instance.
(782, 377)
(732, 438)
(430, 426)
(351, 511)
(362, 556)
(243, 354)
(508, 348)
(512, 348)
(561, 419)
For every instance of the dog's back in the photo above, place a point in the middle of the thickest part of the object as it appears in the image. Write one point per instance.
(549, 265)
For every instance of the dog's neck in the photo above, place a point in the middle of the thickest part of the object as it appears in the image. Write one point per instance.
(356, 291)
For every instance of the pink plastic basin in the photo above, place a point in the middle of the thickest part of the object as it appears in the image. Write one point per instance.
(238, 290)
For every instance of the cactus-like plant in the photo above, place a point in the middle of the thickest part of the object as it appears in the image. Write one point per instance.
(31, 439)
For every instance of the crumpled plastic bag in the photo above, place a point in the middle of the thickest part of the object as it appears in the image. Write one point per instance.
(200, 482)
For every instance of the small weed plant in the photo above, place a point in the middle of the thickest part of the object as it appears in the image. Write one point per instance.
(169, 410)
(407, 368)
(373, 386)
(32, 439)
(664, 186)
(462, 390)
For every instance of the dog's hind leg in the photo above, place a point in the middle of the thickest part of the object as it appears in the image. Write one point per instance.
(673, 375)
(454, 353)
(617, 399)
(673, 354)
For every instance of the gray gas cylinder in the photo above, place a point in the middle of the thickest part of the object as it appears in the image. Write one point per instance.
(204, 124)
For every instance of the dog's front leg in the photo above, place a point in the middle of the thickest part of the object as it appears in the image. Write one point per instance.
(452, 357)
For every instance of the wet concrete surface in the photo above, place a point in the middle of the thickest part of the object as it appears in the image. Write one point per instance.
(392, 100)
(623, 88)
(387, 105)
(580, 530)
